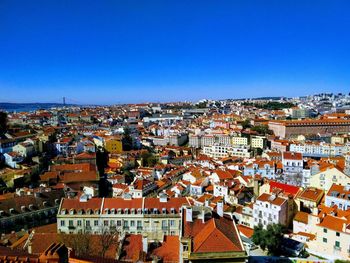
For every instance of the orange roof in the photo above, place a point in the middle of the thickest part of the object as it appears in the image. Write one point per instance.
(301, 217)
(223, 175)
(93, 203)
(176, 203)
(339, 191)
(169, 249)
(80, 177)
(311, 194)
(333, 223)
(215, 235)
(132, 246)
(292, 156)
(122, 203)
(269, 198)
(73, 167)
(246, 231)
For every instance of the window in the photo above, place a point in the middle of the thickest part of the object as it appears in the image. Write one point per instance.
(324, 240)
(87, 223)
(119, 222)
(112, 222)
(139, 223)
(185, 247)
(70, 222)
(63, 223)
(79, 222)
(105, 222)
(337, 234)
(132, 223)
(337, 243)
(96, 223)
(172, 233)
(324, 230)
(172, 222)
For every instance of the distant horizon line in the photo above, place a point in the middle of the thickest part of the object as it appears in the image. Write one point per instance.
(151, 102)
(178, 101)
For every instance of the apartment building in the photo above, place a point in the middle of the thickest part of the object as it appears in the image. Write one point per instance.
(221, 151)
(315, 149)
(270, 209)
(327, 177)
(286, 129)
(244, 215)
(309, 199)
(154, 217)
(258, 142)
(29, 208)
(338, 195)
(207, 140)
(264, 168)
(114, 145)
(194, 141)
(292, 162)
(237, 140)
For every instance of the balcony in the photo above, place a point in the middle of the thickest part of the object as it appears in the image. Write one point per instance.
(126, 228)
(71, 227)
(139, 227)
(165, 228)
(336, 248)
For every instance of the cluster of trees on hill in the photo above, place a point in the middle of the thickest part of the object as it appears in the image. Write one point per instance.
(269, 238)
(271, 105)
(3, 123)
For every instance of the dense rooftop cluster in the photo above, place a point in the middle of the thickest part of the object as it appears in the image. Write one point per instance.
(175, 182)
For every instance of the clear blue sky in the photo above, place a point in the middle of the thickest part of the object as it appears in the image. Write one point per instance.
(135, 51)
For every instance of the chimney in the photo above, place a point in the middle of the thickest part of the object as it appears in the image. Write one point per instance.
(189, 217)
(144, 244)
(203, 215)
(220, 208)
(30, 250)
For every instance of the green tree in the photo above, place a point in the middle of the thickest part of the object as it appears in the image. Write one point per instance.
(246, 124)
(261, 129)
(269, 238)
(3, 122)
(149, 159)
(127, 140)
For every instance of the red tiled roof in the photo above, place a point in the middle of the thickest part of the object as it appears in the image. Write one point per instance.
(215, 235)
(93, 203)
(132, 247)
(292, 156)
(122, 203)
(286, 188)
(246, 231)
(302, 217)
(311, 194)
(176, 203)
(169, 249)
